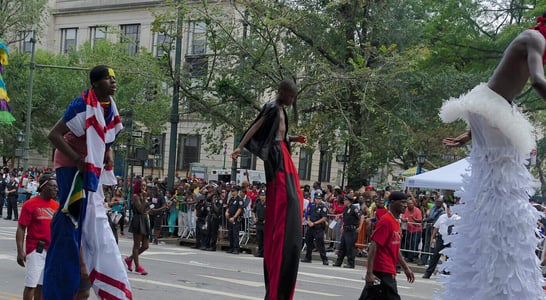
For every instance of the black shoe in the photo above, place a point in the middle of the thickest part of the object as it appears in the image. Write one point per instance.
(258, 254)
(210, 249)
(195, 247)
(16, 219)
(305, 260)
(235, 252)
(337, 265)
(349, 266)
(202, 248)
(426, 276)
(325, 262)
(444, 272)
(7, 218)
(229, 251)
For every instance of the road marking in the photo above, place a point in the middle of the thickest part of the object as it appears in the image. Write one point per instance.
(236, 281)
(330, 277)
(7, 257)
(206, 291)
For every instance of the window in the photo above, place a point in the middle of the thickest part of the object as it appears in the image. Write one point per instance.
(304, 166)
(189, 148)
(197, 38)
(131, 37)
(25, 45)
(325, 164)
(248, 160)
(162, 44)
(68, 39)
(197, 66)
(98, 33)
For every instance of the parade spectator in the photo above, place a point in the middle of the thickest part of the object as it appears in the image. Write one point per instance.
(11, 199)
(412, 218)
(35, 221)
(384, 254)
(182, 207)
(352, 221)
(172, 212)
(316, 221)
(442, 228)
(434, 213)
(258, 214)
(139, 227)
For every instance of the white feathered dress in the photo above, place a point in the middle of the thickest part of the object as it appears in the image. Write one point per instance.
(493, 254)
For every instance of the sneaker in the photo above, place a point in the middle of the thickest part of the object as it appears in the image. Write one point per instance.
(140, 270)
(426, 275)
(305, 260)
(129, 263)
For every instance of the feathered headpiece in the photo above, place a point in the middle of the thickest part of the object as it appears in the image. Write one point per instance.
(5, 110)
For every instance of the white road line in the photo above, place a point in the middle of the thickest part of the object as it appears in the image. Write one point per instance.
(236, 281)
(206, 291)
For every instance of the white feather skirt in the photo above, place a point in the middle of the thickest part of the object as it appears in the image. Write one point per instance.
(492, 256)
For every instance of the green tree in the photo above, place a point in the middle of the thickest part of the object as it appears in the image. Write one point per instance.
(18, 16)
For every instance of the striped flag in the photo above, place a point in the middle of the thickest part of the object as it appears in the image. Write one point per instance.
(101, 253)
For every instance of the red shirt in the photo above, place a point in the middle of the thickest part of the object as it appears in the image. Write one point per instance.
(412, 225)
(36, 215)
(379, 212)
(387, 235)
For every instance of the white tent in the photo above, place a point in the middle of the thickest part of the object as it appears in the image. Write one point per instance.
(447, 177)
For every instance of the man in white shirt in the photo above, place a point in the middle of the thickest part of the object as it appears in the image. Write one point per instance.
(443, 226)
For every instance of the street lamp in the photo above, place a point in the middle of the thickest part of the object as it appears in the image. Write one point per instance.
(225, 153)
(344, 158)
(20, 137)
(420, 162)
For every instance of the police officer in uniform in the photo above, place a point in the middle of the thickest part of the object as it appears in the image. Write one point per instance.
(316, 222)
(233, 216)
(215, 215)
(201, 212)
(258, 214)
(352, 219)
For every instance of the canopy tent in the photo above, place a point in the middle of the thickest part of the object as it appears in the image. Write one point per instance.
(447, 177)
(410, 172)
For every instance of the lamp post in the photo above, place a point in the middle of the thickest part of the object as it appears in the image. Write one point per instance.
(32, 66)
(420, 162)
(18, 151)
(343, 158)
(225, 154)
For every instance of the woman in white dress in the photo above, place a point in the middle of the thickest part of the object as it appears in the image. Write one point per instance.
(493, 254)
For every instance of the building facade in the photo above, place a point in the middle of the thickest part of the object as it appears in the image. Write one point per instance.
(71, 23)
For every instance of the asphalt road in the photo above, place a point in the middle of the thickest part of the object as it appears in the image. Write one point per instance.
(178, 272)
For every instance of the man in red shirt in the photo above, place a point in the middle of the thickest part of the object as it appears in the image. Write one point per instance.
(413, 218)
(36, 215)
(384, 253)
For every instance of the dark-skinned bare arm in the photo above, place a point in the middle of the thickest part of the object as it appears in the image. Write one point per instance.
(249, 134)
(56, 136)
(535, 48)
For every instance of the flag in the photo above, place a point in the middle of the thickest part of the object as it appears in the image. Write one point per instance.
(100, 251)
(73, 204)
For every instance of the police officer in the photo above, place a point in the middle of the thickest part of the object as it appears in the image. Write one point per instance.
(352, 219)
(316, 222)
(233, 216)
(258, 214)
(201, 212)
(215, 214)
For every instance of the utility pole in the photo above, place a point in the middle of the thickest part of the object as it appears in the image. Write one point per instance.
(32, 66)
(175, 118)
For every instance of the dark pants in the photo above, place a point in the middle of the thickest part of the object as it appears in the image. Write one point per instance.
(12, 207)
(233, 235)
(438, 246)
(315, 233)
(260, 238)
(212, 237)
(347, 247)
(2, 199)
(199, 233)
(386, 290)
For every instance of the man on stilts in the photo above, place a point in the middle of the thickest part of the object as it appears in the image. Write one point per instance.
(268, 139)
